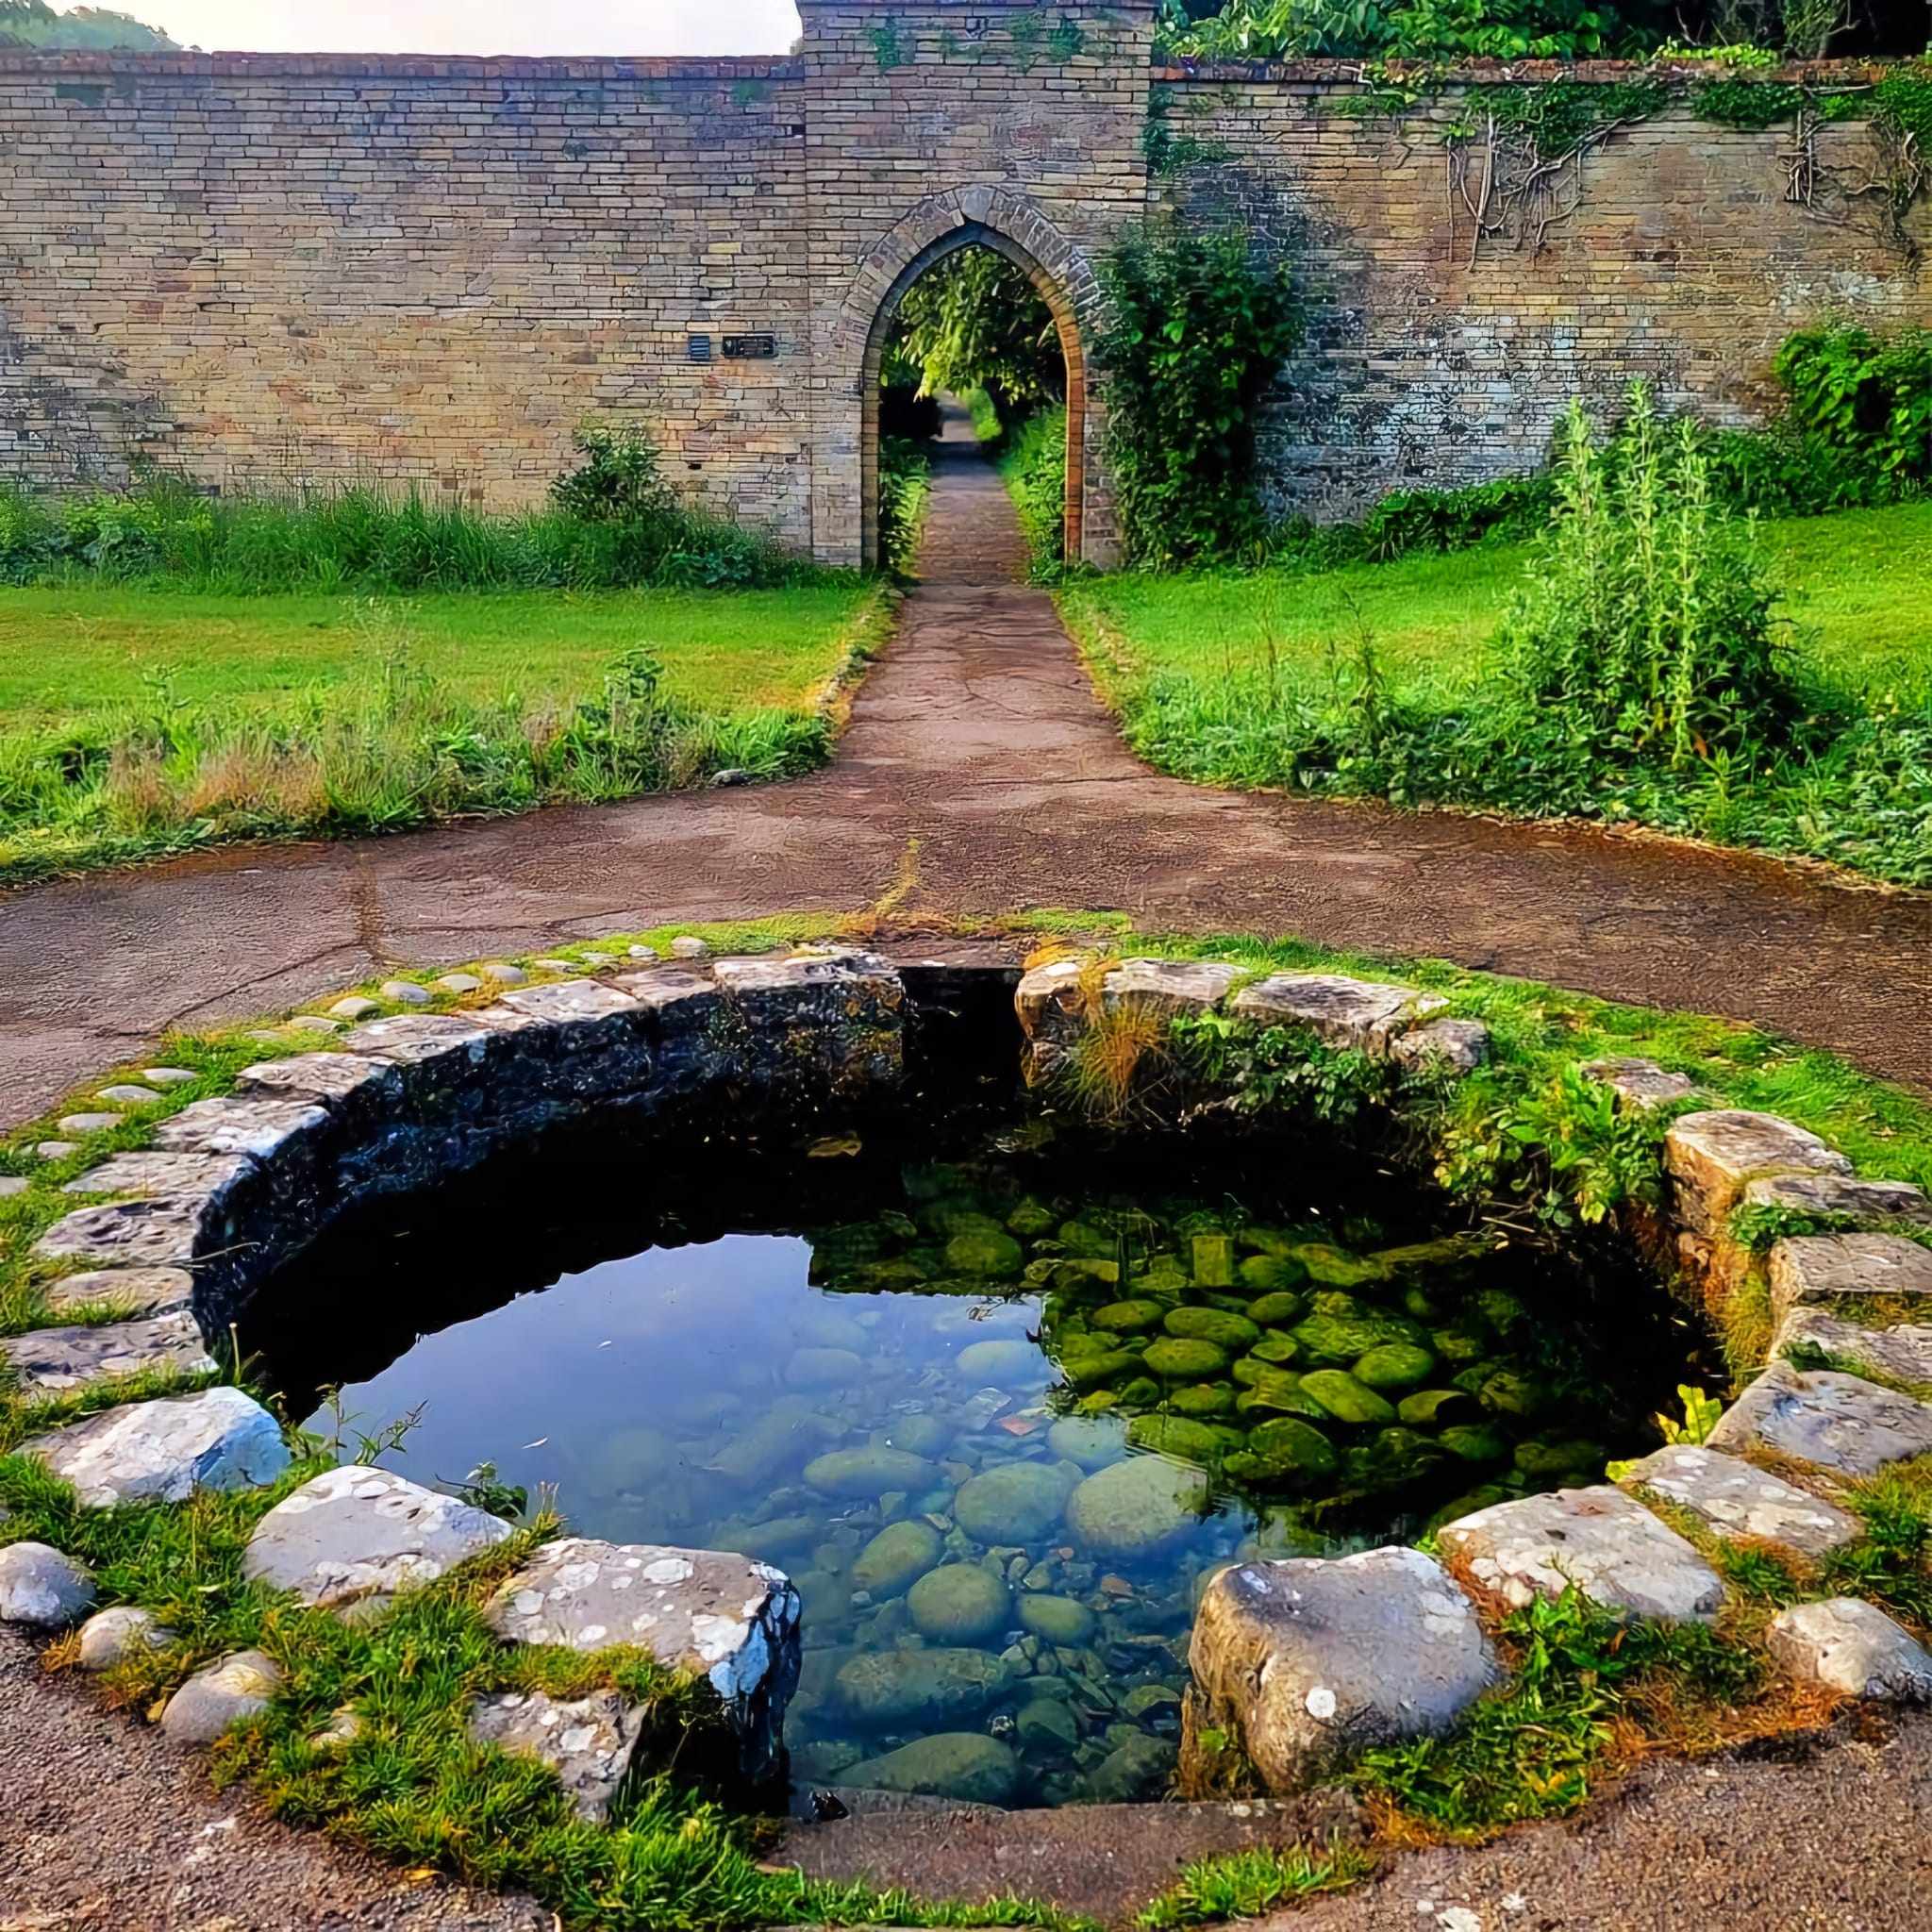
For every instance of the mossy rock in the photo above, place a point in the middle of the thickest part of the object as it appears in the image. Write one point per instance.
(1509, 1393)
(987, 1254)
(1277, 1348)
(1275, 1392)
(1231, 1332)
(1076, 1271)
(1137, 1506)
(1459, 1345)
(1345, 1399)
(1091, 1444)
(1443, 1251)
(1098, 1402)
(1504, 1313)
(1144, 1391)
(1058, 1620)
(1178, 1434)
(1282, 1531)
(860, 1475)
(895, 1557)
(1545, 1462)
(1420, 1305)
(1162, 1275)
(966, 1766)
(948, 1218)
(1212, 1260)
(1393, 1457)
(1176, 1359)
(1129, 1316)
(1030, 1220)
(1272, 1273)
(1394, 1365)
(1001, 1364)
(1280, 1242)
(1085, 1237)
(1475, 1442)
(1336, 1342)
(1085, 1371)
(1280, 1310)
(1286, 1448)
(1203, 1399)
(1016, 1503)
(1430, 1408)
(1336, 1266)
(961, 1603)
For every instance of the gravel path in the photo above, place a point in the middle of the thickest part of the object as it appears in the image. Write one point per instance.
(980, 738)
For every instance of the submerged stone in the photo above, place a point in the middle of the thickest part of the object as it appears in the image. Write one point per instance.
(1177, 1435)
(989, 1254)
(1430, 1408)
(1175, 1360)
(922, 1687)
(1136, 1768)
(1017, 1503)
(895, 1557)
(1059, 1620)
(1287, 1448)
(1137, 1506)
(860, 1474)
(1231, 1332)
(1090, 1441)
(1271, 1277)
(963, 1765)
(959, 1602)
(1129, 1316)
(1346, 1399)
(1004, 1364)
(1203, 1399)
(1394, 1365)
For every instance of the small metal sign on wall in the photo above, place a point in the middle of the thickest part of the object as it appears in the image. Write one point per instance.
(754, 348)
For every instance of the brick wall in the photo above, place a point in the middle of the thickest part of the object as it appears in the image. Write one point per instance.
(287, 271)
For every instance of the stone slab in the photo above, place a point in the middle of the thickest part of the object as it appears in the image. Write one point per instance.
(353, 1536)
(1172, 988)
(234, 1124)
(411, 1039)
(133, 1234)
(1851, 1647)
(1640, 1084)
(1841, 1195)
(1454, 1046)
(1614, 1551)
(1900, 1354)
(1309, 1660)
(162, 1451)
(589, 1741)
(134, 1291)
(1823, 1269)
(1363, 1014)
(203, 1177)
(732, 1620)
(1050, 1002)
(1838, 1422)
(334, 1078)
(50, 1361)
(1735, 1501)
(1710, 1156)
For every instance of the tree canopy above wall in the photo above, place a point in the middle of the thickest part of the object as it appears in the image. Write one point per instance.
(34, 23)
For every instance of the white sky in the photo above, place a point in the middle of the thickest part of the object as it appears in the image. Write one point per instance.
(492, 26)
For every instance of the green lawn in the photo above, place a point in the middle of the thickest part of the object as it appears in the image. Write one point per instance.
(1859, 584)
(65, 652)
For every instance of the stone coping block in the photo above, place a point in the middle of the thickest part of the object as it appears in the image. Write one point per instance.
(1350, 1014)
(133, 1234)
(1834, 1421)
(1711, 1155)
(232, 1125)
(351, 1537)
(1051, 1001)
(50, 1361)
(1640, 1084)
(162, 1451)
(1454, 1046)
(334, 1078)
(1607, 1544)
(727, 1619)
(1172, 988)
(201, 1177)
(1851, 1647)
(1823, 1269)
(134, 1291)
(1841, 1195)
(1735, 1501)
(1309, 1660)
(1901, 1353)
(588, 1742)
(220, 1696)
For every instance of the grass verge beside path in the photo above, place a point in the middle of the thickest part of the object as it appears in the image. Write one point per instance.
(1264, 680)
(137, 723)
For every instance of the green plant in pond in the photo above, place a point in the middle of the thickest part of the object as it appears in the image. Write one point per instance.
(1246, 1885)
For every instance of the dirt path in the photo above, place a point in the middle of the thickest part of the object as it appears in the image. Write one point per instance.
(980, 738)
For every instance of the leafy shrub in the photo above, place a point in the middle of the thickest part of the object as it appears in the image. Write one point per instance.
(976, 320)
(905, 476)
(1411, 29)
(1034, 467)
(1865, 396)
(1197, 332)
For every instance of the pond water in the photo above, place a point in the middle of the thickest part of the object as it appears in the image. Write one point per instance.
(996, 1416)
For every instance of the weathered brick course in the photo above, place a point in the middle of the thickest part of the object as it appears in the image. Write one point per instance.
(266, 270)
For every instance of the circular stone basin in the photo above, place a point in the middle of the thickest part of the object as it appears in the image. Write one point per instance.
(998, 1414)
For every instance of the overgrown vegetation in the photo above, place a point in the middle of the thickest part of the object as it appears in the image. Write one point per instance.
(905, 482)
(974, 321)
(1033, 465)
(1246, 1885)
(34, 23)
(1645, 670)
(1197, 330)
(615, 523)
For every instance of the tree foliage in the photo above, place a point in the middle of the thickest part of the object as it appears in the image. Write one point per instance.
(1197, 330)
(974, 321)
(34, 23)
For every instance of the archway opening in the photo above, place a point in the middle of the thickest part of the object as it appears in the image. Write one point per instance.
(976, 318)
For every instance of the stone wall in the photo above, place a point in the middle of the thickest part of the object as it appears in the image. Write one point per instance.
(281, 271)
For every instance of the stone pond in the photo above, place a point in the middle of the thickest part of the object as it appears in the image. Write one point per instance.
(997, 1400)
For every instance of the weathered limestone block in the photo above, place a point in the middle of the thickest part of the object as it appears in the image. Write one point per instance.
(133, 1234)
(1847, 1645)
(1712, 1156)
(732, 1620)
(351, 1537)
(589, 1741)
(43, 1587)
(1050, 1002)
(1609, 1546)
(134, 1291)
(1357, 1014)
(1822, 1271)
(51, 1359)
(1834, 1421)
(162, 1451)
(451, 1043)
(261, 1129)
(835, 1011)
(1171, 989)
(346, 1083)
(1640, 1084)
(1306, 1661)
(220, 1696)
(1901, 1353)
(577, 1040)
(1454, 1046)
(109, 1636)
(1737, 1501)
(1841, 1194)
(209, 1178)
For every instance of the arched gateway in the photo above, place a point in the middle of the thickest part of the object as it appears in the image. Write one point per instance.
(288, 271)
